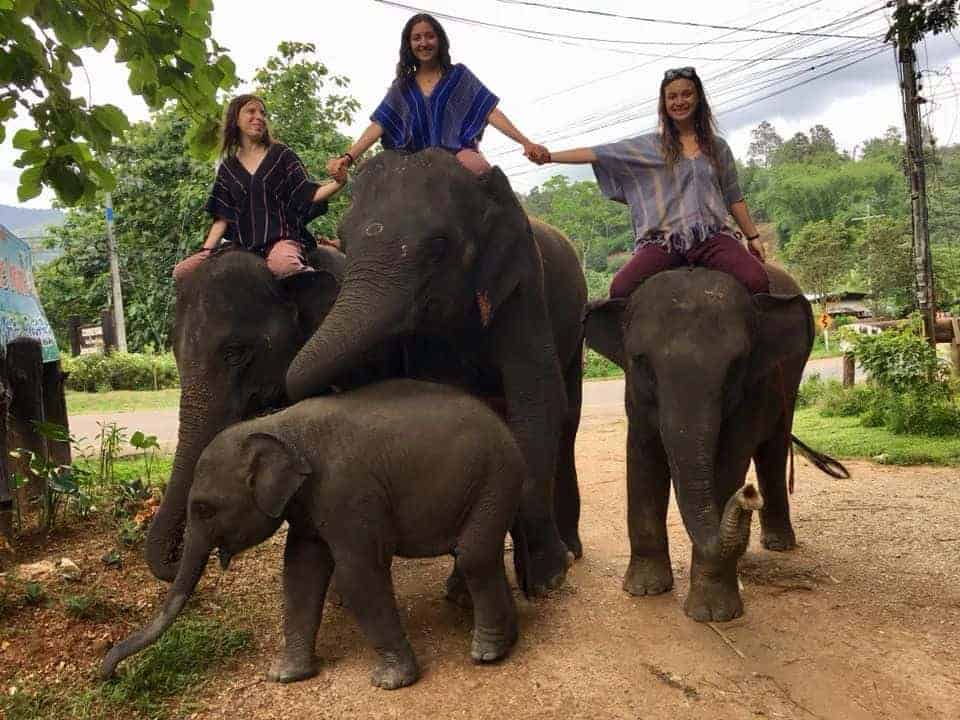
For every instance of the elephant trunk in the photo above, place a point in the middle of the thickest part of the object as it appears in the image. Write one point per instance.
(690, 440)
(165, 535)
(371, 307)
(735, 523)
(196, 553)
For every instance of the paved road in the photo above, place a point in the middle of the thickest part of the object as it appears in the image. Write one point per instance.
(601, 400)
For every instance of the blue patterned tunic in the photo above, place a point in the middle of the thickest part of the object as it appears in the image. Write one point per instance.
(453, 117)
(675, 207)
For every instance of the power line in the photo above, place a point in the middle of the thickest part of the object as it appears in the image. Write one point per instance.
(685, 23)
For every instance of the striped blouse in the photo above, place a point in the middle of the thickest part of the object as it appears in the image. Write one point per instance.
(675, 207)
(274, 203)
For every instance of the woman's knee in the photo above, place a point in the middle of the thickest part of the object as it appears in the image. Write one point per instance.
(286, 258)
(186, 266)
(473, 161)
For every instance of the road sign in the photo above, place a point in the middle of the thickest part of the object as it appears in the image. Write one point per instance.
(825, 321)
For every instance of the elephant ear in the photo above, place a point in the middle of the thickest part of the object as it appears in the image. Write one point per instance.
(784, 330)
(275, 472)
(603, 328)
(506, 248)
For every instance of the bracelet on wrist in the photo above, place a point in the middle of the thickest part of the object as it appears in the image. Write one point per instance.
(349, 157)
(753, 237)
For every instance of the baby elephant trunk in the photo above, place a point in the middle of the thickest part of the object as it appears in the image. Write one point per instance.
(196, 553)
(735, 523)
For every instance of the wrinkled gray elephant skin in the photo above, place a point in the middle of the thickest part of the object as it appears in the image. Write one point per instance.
(711, 383)
(236, 330)
(483, 298)
(397, 468)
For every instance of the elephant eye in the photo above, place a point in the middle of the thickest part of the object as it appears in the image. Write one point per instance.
(437, 247)
(236, 355)
(204, 510)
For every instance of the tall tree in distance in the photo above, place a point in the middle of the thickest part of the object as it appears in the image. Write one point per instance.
(764, 143)
(167, 49)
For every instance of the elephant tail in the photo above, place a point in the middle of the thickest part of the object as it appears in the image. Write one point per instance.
(826, 464)
(521, 557)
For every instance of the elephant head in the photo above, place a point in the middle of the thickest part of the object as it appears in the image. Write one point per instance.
(237, 329)
(692, 345)
(244, 481)
(431, 248)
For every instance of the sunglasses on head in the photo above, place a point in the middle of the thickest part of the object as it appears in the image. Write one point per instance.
(684, 72)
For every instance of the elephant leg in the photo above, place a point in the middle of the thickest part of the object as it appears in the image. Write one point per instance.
(307, 567)
(648, 494)
(771, 464)
(714, 585)
(480, 562)
(566, 492)
(364, 579)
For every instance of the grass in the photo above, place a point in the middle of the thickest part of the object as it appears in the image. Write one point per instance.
(80, 403)
(845, 437)
(155, 684)
(597, 366)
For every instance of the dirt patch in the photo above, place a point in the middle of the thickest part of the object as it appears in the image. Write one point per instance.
(861, 621)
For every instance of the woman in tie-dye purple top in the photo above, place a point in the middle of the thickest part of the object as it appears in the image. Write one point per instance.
(434, 103)
(680, 185)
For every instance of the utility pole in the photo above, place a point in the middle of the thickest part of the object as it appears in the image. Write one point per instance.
(922, 259)
(116, 292)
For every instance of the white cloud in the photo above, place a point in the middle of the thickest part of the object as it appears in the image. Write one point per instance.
(360, 39)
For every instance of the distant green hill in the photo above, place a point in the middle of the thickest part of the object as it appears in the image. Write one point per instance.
(17, 219)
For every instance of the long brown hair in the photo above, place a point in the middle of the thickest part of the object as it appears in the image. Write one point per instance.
(408, 64)
(231, 125)
(704, 124)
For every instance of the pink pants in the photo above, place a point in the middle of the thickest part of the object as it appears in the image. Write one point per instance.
(721, 251)
(472, 160)
(284, 258)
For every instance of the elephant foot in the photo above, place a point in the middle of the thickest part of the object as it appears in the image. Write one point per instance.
(547, 566)
(714, 594)
(395, 670)
(492, 645)
(648, 576)
(574, 545)
(456, 591)
(779, 540)
(288, 670)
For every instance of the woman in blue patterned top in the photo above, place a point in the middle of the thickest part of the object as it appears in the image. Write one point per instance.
(680, 185)
(433, 103)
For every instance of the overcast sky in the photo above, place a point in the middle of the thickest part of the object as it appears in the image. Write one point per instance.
(567, 92)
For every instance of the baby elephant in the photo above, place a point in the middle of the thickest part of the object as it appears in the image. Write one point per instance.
(402, 468)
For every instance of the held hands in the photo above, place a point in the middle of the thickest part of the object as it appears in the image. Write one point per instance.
(536, 153)
(337, 168)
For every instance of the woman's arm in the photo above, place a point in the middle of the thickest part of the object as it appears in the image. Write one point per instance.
(337, 167)
(502, 123)
(577, 156)
(741, 214)
(327, 190)
(217, 230)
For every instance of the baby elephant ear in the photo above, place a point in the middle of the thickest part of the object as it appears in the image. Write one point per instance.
(275, 472)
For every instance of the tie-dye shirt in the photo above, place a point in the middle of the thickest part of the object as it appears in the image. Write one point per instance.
(452, 117)
(676, 207)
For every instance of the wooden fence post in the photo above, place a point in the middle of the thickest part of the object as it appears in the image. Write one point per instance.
(55, 410)
(849, 370)
(955, 346)
(25, 374)
(6, 496)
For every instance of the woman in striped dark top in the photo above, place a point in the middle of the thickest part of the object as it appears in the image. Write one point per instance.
(680, 185)
(262, 197)
(433, 103)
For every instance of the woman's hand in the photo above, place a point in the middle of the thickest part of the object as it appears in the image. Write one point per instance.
(757, 248)
(536, 153)
(337, 168)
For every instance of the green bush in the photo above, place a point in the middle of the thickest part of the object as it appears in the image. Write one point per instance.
(933, 413)
(899, 360)
(597, 366)
(839, 401)
(121, 371)
(810, 391)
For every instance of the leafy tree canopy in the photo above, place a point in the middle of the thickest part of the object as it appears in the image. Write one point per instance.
(167, 49)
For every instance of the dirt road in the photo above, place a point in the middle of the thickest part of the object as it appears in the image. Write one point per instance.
(861, 621)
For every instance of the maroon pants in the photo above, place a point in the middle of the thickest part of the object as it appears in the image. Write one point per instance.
(721, 251)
